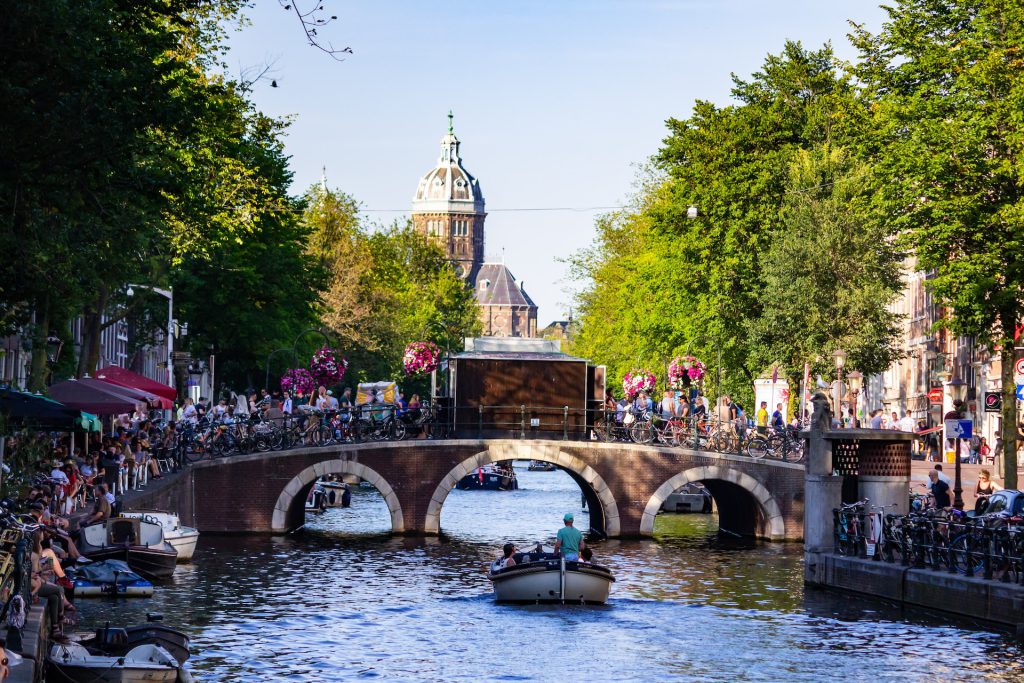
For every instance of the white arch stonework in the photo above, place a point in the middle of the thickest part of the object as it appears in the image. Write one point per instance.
(545, 452)
(769, 507)
(320, 469)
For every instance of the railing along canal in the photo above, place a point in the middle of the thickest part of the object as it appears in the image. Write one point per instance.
(990, 547)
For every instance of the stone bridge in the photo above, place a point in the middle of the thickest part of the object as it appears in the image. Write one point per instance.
(625, 484)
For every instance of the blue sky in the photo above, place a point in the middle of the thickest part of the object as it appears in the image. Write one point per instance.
(555, 102)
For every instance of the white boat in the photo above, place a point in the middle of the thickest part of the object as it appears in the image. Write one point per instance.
(183, 538)
(336, 493)
(539, 577)
(142, 664)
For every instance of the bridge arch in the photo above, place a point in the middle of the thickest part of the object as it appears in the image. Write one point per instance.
(599, 496)
(770, 522)
(289, 509)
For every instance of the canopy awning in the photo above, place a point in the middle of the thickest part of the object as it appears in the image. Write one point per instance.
(137, 395)
(21, 409)
(93, 396)
(127, 378)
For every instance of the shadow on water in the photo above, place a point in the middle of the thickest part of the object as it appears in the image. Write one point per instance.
(343, 600)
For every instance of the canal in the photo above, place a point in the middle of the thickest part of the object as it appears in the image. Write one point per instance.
(342, 600)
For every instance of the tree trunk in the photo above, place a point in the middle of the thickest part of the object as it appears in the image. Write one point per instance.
(91, 329)
(1009, 431)
(40, 333)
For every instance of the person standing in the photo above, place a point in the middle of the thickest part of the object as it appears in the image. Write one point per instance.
(778, 421)
(876, 419)
(569, 540)
(939, 489)
(762, 418)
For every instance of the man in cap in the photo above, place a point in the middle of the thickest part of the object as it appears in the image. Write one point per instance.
(569, 540)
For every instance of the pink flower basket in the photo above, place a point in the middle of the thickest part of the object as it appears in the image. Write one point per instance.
(638, 380)
(421, 358)
(327, 367)
(298, 380)
(685, 369)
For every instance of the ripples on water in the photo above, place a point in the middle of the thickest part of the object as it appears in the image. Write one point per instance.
(342, 600)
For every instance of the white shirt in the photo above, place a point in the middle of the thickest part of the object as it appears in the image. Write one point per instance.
(190, 413)
(908, 424)
(944, 478)
(110, 497)
(58, 475)
(287, 407)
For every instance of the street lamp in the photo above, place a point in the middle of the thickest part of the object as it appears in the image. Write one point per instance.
(840, 358)
(958, 392)
(169, 295)
(854, 380)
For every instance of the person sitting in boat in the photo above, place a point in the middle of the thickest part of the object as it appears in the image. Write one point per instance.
(587, 555)
(101, 508)
(569, 540)
(506, 558)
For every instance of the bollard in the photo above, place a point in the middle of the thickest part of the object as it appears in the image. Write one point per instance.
(565, 423)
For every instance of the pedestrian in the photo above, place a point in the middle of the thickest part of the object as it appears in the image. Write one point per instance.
(778, 421)
(876, 419)
(939, 489)
(762, 418)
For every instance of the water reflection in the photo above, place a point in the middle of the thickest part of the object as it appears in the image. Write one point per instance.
(344, 600)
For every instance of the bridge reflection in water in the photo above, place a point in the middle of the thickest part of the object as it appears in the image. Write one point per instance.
(624, 484)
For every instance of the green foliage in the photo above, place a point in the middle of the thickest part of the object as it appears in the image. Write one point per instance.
(829, 274)
(386, 288)
(946, 143)
(655, 280)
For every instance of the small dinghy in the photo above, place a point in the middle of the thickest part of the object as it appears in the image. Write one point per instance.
(182, 538)
(108, 578)
(118, 642)
(142, 664)
(494, 477)
(140, 544)
(539, 577)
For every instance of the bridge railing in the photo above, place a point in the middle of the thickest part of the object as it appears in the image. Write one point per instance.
(565, 423)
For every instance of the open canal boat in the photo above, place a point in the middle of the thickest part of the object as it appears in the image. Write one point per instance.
(141, 544)
(495, 477)
(540, 577)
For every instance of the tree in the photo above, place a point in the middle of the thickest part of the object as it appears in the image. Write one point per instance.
(386, 288)
(829, 274)
(655, 280)
(948, 80)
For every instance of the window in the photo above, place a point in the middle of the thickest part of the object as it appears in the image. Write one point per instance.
(460, 228)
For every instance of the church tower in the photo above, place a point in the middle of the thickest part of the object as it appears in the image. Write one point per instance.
(449, 207)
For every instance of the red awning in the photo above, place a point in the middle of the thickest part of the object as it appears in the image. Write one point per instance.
(137, 395)
(127, 378)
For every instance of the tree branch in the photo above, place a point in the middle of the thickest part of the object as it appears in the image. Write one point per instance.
(312, 20)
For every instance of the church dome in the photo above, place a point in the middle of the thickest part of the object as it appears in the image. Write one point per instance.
(448, 187)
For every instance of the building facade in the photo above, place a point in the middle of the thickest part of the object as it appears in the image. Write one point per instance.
(449, 209)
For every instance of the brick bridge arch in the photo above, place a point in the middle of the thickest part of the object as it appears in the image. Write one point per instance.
(624, 483)
(604, 515)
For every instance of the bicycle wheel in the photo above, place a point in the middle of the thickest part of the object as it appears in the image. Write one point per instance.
(397, 430)
(965, 554)
(641, 432)
(602, 431)
(793, 451)
(757, 447)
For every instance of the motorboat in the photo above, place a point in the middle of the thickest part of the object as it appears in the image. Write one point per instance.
(540, 577)
(118, 642)
(139, 543)
(183, 538)
(336, 493)
(108, 578)
(494, 477)
(142, 664)
(316, 501)
(541, 466)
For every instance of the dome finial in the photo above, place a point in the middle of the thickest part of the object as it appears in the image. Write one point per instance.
(451, 126)
(323, 178)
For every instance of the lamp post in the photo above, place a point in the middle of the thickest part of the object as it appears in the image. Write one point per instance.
(854, 379)
(958, 392)
(169, 295)
(840, 358)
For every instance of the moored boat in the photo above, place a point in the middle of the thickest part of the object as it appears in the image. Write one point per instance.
(182, 538)
(541, 466)
(112, 578)
(117, 642)
(540, 577)
(144, 663)
(139, 543)
(494, 477)
(336, 494)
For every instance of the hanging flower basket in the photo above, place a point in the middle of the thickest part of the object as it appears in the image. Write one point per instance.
(298, 380)
(638, 380)
(683, 370)
(327, 367)
(421, 358)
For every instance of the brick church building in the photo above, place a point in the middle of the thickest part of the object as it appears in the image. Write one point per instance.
(449, 208)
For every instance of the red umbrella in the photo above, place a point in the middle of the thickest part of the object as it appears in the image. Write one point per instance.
(127, 378)
(127, 392)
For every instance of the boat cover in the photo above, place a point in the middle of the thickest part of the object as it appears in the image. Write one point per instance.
(103, 572)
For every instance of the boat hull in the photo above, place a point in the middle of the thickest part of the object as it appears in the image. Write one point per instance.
(131, 589)
(488, 481)
(83, 673)
(542, 583)
(184, 543)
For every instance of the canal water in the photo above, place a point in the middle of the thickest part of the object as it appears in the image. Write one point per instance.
(341, 600)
